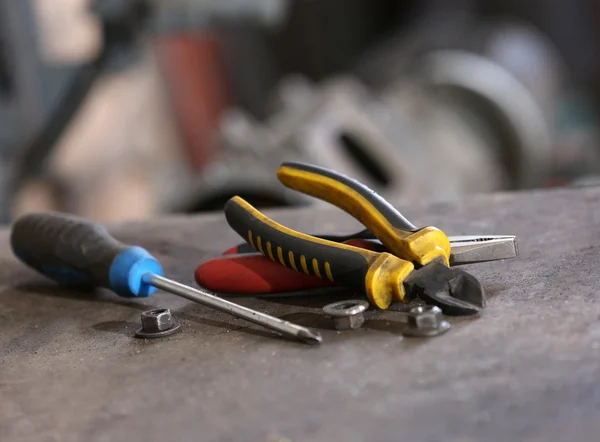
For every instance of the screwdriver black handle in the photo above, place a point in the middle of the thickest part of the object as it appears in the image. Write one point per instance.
(77, 252)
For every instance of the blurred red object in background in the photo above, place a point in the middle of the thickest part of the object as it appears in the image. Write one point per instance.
(196, 81)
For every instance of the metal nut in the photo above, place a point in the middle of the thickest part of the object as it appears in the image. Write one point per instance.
(157, 320)
(426, 321)
(347, 315)
(157, 323)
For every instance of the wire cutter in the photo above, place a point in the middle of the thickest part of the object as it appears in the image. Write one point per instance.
(244, 271)
(415, 265)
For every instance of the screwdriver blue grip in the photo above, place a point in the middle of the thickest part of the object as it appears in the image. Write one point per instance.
(75, 251)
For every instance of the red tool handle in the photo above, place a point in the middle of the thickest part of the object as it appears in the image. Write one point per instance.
(256, 274)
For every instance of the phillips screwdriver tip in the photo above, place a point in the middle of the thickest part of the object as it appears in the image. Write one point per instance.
(310, 337)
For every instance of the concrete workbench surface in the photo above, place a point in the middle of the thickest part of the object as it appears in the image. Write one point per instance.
(528, 369)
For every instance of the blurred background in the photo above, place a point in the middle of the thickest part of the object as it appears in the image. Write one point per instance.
(129, 109)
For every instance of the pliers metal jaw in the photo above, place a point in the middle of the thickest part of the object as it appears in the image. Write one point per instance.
(456, 292)
(416, 263)
(471, 249)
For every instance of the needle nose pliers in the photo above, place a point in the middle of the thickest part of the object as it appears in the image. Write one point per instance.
(416, 264)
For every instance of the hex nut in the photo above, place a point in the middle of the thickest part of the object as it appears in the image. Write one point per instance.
(425, 317)
(157, 320)
(426, 321)
(347, 315)
(157, 323)
(349, 322)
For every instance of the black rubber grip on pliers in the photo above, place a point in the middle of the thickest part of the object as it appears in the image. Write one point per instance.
(300, 252)
(246, 248)
(311, 187)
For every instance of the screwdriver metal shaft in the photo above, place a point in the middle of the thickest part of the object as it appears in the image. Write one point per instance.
(207, 298)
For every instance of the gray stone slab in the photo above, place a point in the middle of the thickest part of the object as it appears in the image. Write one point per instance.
(527, 370)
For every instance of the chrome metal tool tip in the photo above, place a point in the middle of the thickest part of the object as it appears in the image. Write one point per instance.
(473, 248)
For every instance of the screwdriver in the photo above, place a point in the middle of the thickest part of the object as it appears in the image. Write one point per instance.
(77, 252)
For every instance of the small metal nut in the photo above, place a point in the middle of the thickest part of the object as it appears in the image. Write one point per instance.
(426, 321)
(157, 323)
(157, 320)
(347, 315)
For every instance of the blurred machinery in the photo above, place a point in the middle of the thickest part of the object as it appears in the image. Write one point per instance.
(455, 104)
(439, 135)
(451, 122)
(452, 103)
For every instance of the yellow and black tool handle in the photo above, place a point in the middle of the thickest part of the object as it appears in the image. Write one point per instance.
(401, 237)
(379, 275)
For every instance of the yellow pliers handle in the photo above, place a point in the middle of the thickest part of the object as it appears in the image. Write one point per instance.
(379, 275)
(401, 238)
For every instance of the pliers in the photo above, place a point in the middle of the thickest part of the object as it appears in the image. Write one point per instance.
(415, 265)
(244, 271)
